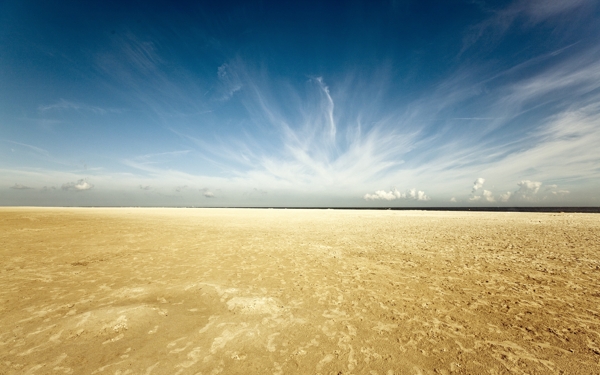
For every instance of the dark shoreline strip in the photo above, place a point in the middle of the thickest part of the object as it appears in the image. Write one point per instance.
(465, 209)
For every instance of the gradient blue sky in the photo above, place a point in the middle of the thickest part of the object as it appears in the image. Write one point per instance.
(272, 103)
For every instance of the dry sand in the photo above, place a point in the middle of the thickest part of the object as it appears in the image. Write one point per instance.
(207, 291)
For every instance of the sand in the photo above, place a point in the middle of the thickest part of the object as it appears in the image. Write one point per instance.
(208, 291)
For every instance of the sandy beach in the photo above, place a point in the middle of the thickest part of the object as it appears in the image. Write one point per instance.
(239, 291)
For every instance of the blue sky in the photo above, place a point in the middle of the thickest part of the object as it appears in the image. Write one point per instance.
(258, 103)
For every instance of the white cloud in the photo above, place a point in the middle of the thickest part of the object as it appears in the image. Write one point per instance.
(230, 81)
(80, 185)
(395, 194)
(208, 194)
(311, 153)
(531, 12)
(555, 191)
(37, 150)
(478, 184)
(334, 136)
(417, 195)
(63, 104)
(145, 187)
(380, 194)
(453, 200)
(527, 189)
(485, 194)
(333, 139)
(488, 196)
(505, 197)
(540, 10)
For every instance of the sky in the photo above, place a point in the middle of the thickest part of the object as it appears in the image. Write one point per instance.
(299, 103)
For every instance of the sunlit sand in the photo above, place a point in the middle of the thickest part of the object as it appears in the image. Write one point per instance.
(207, 291)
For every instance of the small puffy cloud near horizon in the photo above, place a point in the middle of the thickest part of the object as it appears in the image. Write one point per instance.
(81, 185)
(413, 194)
(528, 192)
(478, 184)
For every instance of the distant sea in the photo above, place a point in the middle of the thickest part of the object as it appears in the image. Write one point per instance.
(483, 209)
(466, 209)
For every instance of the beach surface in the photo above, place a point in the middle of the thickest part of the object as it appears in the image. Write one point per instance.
(244, 291)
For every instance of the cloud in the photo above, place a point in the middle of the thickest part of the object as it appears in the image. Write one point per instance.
(540, 10)
(527, 188)
(145, 187)
(207, 193)
(230, 82)
(475, 118)
(336, 135)
(20, 187)
(298, 141)
(331, 134)
(417, 195)
(488, 196)
(380, 194)
(506, 196)
(329, 106)
(453, 200)
(63, 104)
(395, 194)
(80, 185)
(478, 184)
(293, 145)
(180, 188)
(528, 12)
(151, 162)
(528, 191)
(37, 150)
(130, 57)
(555, 191)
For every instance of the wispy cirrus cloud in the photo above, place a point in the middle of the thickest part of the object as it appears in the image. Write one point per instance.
(326, 135)
(316, 138)
(311, 144)
(63, 104)
(37, 150)
(141, 65)
(152, 162)
(528, 13)
(241, 124)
